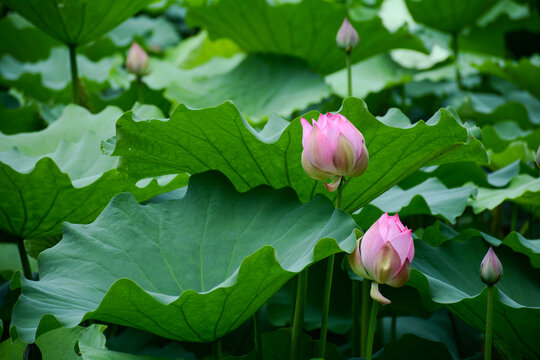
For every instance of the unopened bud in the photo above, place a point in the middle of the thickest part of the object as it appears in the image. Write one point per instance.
(491, 269)
(347, 38)
(137, 60)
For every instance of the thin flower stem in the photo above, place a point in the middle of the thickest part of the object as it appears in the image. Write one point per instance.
(349, 74)
(326, 305)
(489, 323)
(298, 323)
(371, 332)
(74, 74)
(258, 338)
(328, 283)
(216, 349)
(365, 313)
(140, 89)
(356, 319)
(455, 43)
(27, 270)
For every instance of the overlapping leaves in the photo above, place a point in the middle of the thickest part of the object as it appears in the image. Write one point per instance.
(191, 269)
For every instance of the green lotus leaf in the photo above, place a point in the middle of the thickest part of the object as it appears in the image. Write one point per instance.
(289, 28)
(430, 197)
(48, 79)
(453, 280)
(449, 15)
(10, 350)
(369, 76)
(219, 139)
(502, 134)
(523, 73)
(259, 85)
(23, 41)
(517, 150)
(76, 22)
(523, 189)
(80, 343)
(59, 174)
(18, 119)
(191, 269)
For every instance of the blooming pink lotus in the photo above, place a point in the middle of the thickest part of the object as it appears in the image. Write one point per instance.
(137, 60)
(491, 269)
(384, 255)
(333, 148)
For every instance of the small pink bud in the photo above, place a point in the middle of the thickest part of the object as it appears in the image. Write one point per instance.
(384, 254)
(491, 269)
(537, 160)
(333, 148)
(347, 38)
(137, 60)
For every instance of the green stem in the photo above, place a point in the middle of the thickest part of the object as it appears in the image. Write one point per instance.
(371, 331)
(27, 270)
(365, 313)
(258, 338)
(216, 349)
(294, 286)
(489, 323)
(455, 43)
(74, 74)
(349, 75)
(356, 318)
(140, 92)
(298, 323)
(326, 304)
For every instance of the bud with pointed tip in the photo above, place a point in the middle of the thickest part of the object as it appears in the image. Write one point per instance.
(537, 160)
(384, 255)
(333, 148)
(137, 60)
(491, 269)
(347, 38)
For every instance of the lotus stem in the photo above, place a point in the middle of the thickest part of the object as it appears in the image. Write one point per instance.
(74, 74)
(489, 323)
(349, 74)
(371, 331)
(298, 324)
(216, 349)
(140, 89)
(455, 43)
(326, 304)
(356, 319)
(257, 333)
(27, 270)
(365, 313)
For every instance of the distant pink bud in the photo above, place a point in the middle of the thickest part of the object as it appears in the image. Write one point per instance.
(385, 252)
(137, 60)
(347, 38)
(491, 269)
(333, 148)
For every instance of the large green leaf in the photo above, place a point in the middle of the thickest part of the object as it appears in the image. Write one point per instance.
(59, 174)
(191, 269)
(448, 275)
(306, 29)
(219, 139)
(430, 197)
(76, 22)
(523, 189)
(259, 86)
(448, 15)
(524, 73)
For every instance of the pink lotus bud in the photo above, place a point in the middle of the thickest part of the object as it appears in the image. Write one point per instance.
(537, 160)
(137, 60)
(491, 269)
(333, 148)
(384, 254)
(347, 38)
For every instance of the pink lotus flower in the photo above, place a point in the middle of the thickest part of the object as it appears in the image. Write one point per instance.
(384, 255)
(333, 148)
(491, 269)
(347, 38)
(137, 60)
